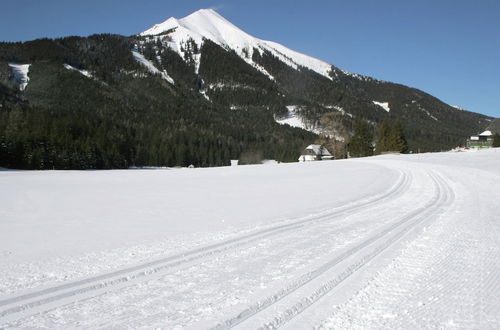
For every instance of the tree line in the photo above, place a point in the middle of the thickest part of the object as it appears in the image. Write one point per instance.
(390, 137)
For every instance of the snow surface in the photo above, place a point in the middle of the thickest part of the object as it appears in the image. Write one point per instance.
(208, 24)
(83, 72)
(318, 150)
(458, 107)
(295, 120)
(428, 113)
(393, 241)
(339, 109)
(150, 66)
(424, 110)
(20, 72)
(383, 105)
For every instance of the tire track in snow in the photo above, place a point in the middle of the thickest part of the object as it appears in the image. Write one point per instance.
(82, 289)
(411, 220)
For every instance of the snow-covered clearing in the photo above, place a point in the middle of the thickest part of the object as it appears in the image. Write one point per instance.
(383, 105)
(20, 72)
(294, 119)
(395, 241)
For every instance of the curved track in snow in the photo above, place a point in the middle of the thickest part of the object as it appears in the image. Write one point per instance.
(423, 254)
(88, 287)
(373, 245)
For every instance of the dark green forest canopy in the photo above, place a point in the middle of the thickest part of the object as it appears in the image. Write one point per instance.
(125, 116)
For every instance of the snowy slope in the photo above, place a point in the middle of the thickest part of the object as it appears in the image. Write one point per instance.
(383, 105)
(151, 67)
(208, 24)
(20, 72)
(83, 72)
(295, 120)
(387, 242)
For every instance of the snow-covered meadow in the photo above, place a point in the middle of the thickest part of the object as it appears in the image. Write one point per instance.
(395, 241)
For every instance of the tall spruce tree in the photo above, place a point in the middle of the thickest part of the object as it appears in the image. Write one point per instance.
(496, 141)
(383, 136)
(397, 140)
(361, 142)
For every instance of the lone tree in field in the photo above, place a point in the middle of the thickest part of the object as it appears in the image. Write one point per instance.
(361, 141)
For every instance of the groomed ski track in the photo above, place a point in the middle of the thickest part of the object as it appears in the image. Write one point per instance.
(91, 286)
(420, 255)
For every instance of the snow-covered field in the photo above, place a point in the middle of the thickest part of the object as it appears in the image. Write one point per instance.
(395, 241)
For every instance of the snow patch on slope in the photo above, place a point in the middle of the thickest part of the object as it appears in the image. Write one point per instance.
(84, 72)
(339, 109)
(150, 66)
(295, 59)
(208, 24)
(20, 72)
(429, 114)
(294, 119)
(383, 105)
(204, 94)
(360, 76)
(259, 68)
(424, 110)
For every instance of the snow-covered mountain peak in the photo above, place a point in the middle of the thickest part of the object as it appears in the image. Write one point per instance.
(208, 24)
(204, 23)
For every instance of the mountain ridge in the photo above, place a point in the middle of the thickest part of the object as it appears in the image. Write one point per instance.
(177, 97)
(208, 24)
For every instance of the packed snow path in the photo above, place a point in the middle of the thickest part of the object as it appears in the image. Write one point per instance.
(407, 242)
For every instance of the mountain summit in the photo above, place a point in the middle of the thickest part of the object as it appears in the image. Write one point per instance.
(196, 90)
(208, 24)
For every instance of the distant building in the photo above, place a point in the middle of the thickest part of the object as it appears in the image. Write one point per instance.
(315, 152)
(485, 139)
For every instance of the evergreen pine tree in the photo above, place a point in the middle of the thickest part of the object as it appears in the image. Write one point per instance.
(397, 140)
(496, 141)
(361, 141)
(383, 135)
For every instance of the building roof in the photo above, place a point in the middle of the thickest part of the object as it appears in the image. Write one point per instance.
(319, 150)
(486, 133)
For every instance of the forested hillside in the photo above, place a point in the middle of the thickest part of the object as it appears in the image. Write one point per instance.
(123, 116)
(110, 101)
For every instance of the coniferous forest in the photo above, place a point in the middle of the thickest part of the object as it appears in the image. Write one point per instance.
(123, 115)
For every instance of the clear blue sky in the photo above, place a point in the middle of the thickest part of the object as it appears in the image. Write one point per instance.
(448, 48)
